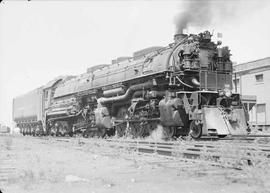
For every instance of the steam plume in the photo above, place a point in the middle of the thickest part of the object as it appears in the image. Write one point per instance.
(193, 13)
(203, 13)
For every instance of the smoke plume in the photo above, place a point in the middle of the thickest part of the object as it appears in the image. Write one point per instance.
(203, 13)
(193, 13)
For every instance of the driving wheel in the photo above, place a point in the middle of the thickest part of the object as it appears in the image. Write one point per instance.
(137, 130)
(121, 126)
(121, 129)
(168, 132)
(101, 132)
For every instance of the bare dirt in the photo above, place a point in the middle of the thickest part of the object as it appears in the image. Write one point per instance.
(34, 165)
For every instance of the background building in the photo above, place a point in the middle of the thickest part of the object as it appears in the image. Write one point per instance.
(253, 78)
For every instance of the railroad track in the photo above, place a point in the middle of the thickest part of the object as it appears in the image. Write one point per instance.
(7, 159)
(234, 152)
(215, 151)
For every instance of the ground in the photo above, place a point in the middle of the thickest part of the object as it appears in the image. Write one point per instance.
(29, 164)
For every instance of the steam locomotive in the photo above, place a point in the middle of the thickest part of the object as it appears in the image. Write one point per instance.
(186, 87)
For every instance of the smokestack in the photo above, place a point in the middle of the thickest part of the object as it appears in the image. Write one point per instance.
(179, 37)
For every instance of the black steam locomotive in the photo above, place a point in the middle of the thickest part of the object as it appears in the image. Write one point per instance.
(185, 87)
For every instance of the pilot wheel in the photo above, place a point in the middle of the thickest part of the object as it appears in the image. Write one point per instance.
(195, 129)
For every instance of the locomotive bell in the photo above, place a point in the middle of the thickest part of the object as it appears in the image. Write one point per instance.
(179, 37)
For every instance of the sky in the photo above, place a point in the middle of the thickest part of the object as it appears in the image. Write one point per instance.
(40, 40)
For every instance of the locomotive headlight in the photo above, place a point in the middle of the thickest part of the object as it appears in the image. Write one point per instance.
(221, 93)
(228, 93)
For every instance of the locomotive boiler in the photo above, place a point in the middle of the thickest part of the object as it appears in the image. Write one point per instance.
(186, 87)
